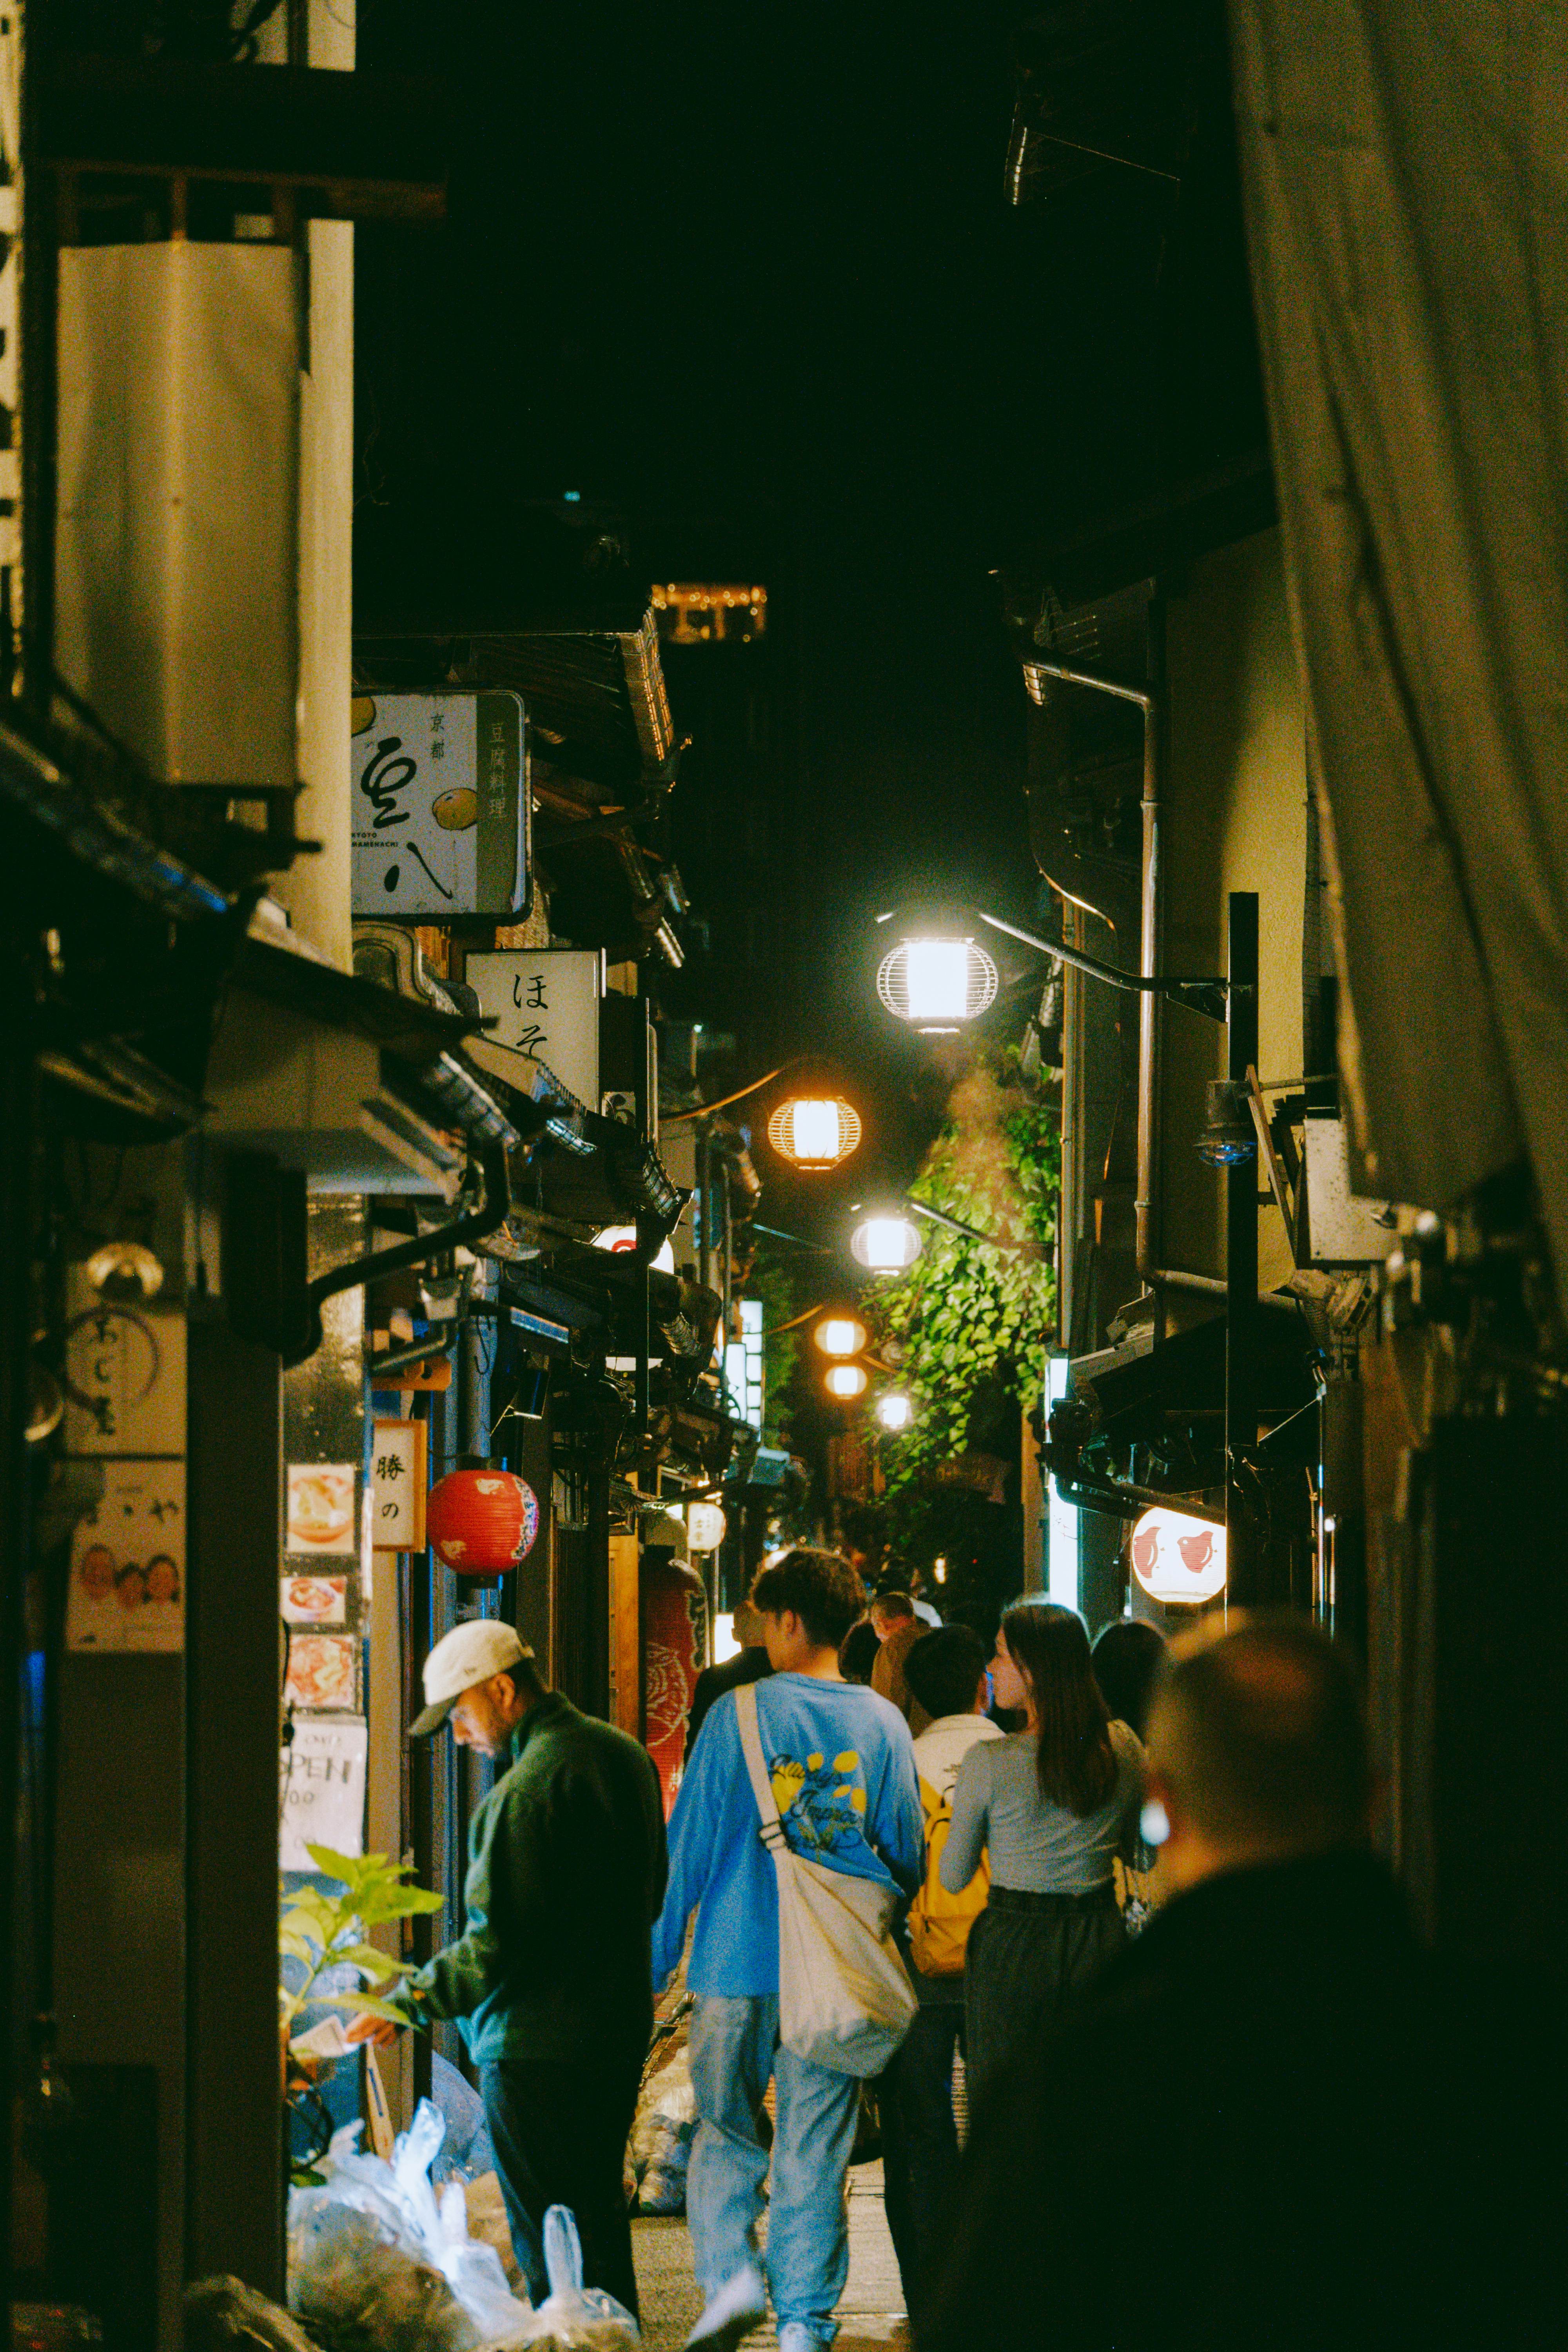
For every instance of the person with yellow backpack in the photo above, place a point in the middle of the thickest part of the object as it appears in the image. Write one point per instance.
(945, 1672)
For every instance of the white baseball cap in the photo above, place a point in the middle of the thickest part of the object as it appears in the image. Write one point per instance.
(470, 1653)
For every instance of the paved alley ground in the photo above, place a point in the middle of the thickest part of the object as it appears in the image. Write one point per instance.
(871, 2313)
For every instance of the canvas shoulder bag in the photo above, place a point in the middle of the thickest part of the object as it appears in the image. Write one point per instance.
(844, 1998)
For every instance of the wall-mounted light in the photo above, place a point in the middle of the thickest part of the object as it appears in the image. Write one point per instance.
(887, 1245)
(937, 984)
(1227, 1136)
(895, 1410)
(815, 1131)
(840, 1335)
(621, 1241)
(847, 1382)
(1178, 1558)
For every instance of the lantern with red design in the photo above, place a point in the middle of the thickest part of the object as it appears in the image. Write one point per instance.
(482, 1522)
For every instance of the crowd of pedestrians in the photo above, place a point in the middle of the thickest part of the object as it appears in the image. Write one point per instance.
(1215, 2093)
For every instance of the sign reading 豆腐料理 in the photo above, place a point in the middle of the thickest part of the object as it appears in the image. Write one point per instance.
(440, 805)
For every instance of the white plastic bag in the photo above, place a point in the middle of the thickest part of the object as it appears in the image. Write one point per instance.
(578, 2318)
(399, 2202)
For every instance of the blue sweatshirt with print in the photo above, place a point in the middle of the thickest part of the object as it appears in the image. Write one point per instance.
(842, 1770)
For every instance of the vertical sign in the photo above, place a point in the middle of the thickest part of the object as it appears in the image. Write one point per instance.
(1062, 1527)
(545, 1002)
(397, 1485)
(125, 1409)
(441, 805)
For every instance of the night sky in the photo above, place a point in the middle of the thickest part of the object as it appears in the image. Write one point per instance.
(747, 276)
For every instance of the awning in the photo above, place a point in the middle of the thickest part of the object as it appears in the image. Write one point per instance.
(1407, 184)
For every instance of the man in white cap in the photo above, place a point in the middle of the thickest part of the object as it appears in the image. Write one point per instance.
(550, 1982)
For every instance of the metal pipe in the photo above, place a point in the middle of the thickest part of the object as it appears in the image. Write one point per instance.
(1241, 1262)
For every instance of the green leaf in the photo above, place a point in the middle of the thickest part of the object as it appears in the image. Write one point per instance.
(364, 2004)
(376, 1963)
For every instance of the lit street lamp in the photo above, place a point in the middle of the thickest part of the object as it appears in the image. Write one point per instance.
(814, 1132)
(886, 1243)
(847, 1382)
(895, 1410)
(937, 984)
(840, 1335)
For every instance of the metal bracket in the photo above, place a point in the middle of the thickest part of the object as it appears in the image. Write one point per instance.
(493, 1210)
(1209, 997)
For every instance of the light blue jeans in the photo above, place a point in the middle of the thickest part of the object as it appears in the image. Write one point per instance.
(734, 2047)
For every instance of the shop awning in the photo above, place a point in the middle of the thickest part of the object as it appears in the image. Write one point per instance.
(1405, 186)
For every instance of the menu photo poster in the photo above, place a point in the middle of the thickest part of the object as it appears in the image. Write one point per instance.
(320, 1508)
(127, 1562)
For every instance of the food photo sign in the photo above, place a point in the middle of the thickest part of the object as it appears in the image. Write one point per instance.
(441, 805)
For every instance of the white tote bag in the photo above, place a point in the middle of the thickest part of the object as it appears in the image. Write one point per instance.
(846, 2001)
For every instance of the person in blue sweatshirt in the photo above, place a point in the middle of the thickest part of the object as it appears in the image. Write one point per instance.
(843, 1774)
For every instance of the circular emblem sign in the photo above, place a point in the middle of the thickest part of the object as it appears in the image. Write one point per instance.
(1178, 1558)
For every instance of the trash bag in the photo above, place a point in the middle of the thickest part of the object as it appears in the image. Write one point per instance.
(662, 2132)
(373, 2256)
(574, 2317)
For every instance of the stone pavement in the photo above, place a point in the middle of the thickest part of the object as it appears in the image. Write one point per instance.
(871, 2313)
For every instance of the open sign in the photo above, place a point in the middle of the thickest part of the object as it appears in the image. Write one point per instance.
(1178, 1558)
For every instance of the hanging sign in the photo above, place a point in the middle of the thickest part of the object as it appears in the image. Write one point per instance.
(440, 805)
(397, 1485)
(545, 1002)
(1178, 1558)
(125, 1373)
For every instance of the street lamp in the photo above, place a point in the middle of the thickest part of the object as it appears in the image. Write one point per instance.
(847, 1382)
(840, 1335)
(936, 983)
(895, 1410)
(886, 1243)
(815, 1131)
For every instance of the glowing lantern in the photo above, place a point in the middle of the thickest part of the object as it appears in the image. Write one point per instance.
(847, 1382)
(895, 1410)
(621, 1241)
(937, 984)
(813, 1132)
(1178, 1558)
(706, 1527)
(481, 1522)
(885, 1244)
(840, 1335)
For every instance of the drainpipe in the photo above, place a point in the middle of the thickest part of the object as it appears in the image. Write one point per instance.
(1155, 1277)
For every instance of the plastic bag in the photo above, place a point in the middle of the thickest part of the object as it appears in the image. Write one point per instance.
(578, 2318)
(662, 2133)
(406, 2269)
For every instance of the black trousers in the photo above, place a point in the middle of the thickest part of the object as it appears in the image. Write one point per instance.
(559, 2137)
(920, 2144)
(1026, 1954)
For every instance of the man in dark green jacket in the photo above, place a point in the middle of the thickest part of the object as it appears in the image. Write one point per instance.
(549, 1981)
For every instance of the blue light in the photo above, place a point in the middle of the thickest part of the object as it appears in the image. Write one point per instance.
(572, 498)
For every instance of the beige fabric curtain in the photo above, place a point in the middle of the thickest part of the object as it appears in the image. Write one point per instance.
(1405, 165)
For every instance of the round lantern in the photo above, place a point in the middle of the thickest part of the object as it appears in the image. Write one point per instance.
(840, 1335)
(482, 1522)
(813, 1132)
(887, 1245)
(847, 1382)
(937, 984)
(1178, 1558)
(895, 1410)
(706, 1527)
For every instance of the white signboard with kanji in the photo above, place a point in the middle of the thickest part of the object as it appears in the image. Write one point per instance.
(440, 805)
(545, 1002)
(397, 1485)
(125, 1373)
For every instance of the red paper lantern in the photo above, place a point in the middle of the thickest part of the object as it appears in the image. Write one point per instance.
(482, 1522)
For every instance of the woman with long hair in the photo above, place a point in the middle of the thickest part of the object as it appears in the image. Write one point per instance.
(1053, 1806)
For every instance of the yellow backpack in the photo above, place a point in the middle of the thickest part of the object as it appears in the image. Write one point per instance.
(939, 1922)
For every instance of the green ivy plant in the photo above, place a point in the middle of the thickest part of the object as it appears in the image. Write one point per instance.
(966, 1321)
(322, 1933)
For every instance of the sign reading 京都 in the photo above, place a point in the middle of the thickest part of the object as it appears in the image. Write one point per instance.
(1178, 1558)
(545, 1002)
(440, 805)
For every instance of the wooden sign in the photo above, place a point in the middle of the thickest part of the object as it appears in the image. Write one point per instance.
(397, 1485)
